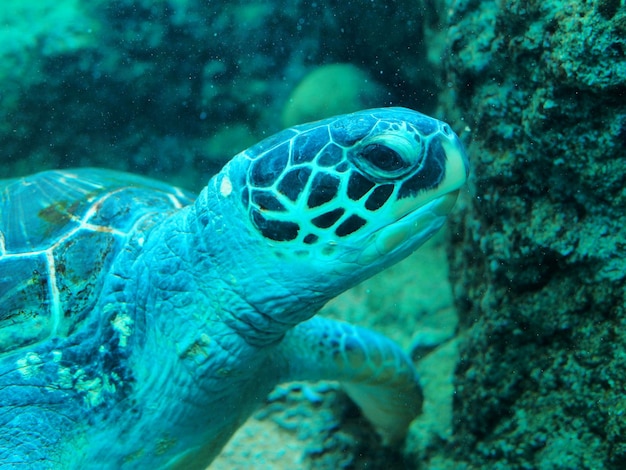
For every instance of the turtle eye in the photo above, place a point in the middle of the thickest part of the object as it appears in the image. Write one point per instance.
(384, 158)
(389, 156)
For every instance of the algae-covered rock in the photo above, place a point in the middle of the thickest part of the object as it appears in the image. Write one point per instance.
(540, 266)
(331, 89)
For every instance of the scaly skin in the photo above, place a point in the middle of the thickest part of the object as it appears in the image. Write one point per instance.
(192, 314)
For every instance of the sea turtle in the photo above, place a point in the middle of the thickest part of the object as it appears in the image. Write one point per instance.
(140, 325)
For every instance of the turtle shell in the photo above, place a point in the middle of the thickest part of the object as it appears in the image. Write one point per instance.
(59, 233)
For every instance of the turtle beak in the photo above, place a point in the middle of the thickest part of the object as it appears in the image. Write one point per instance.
(418, 219)
(457, 162)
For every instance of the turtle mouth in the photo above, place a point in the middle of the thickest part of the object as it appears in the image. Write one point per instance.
(405, 234)
(418, 218)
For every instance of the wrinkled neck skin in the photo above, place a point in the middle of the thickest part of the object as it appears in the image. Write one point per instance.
(207, 309)
(192, 312)
(264, 293)
(195, 301)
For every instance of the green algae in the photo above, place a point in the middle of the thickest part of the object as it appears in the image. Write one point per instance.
(540, 267)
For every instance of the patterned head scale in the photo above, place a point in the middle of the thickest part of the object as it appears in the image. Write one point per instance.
(353, 185)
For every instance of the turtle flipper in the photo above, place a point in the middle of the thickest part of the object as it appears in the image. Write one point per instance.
(372, 369)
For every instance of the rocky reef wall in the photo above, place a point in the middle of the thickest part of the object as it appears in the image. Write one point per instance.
(539, 256)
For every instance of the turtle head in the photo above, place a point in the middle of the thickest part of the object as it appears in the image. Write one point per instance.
(327, 204)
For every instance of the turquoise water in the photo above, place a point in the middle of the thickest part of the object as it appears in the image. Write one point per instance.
(515, 315)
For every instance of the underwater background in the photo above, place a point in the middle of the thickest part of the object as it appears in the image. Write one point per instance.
(515, 314)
